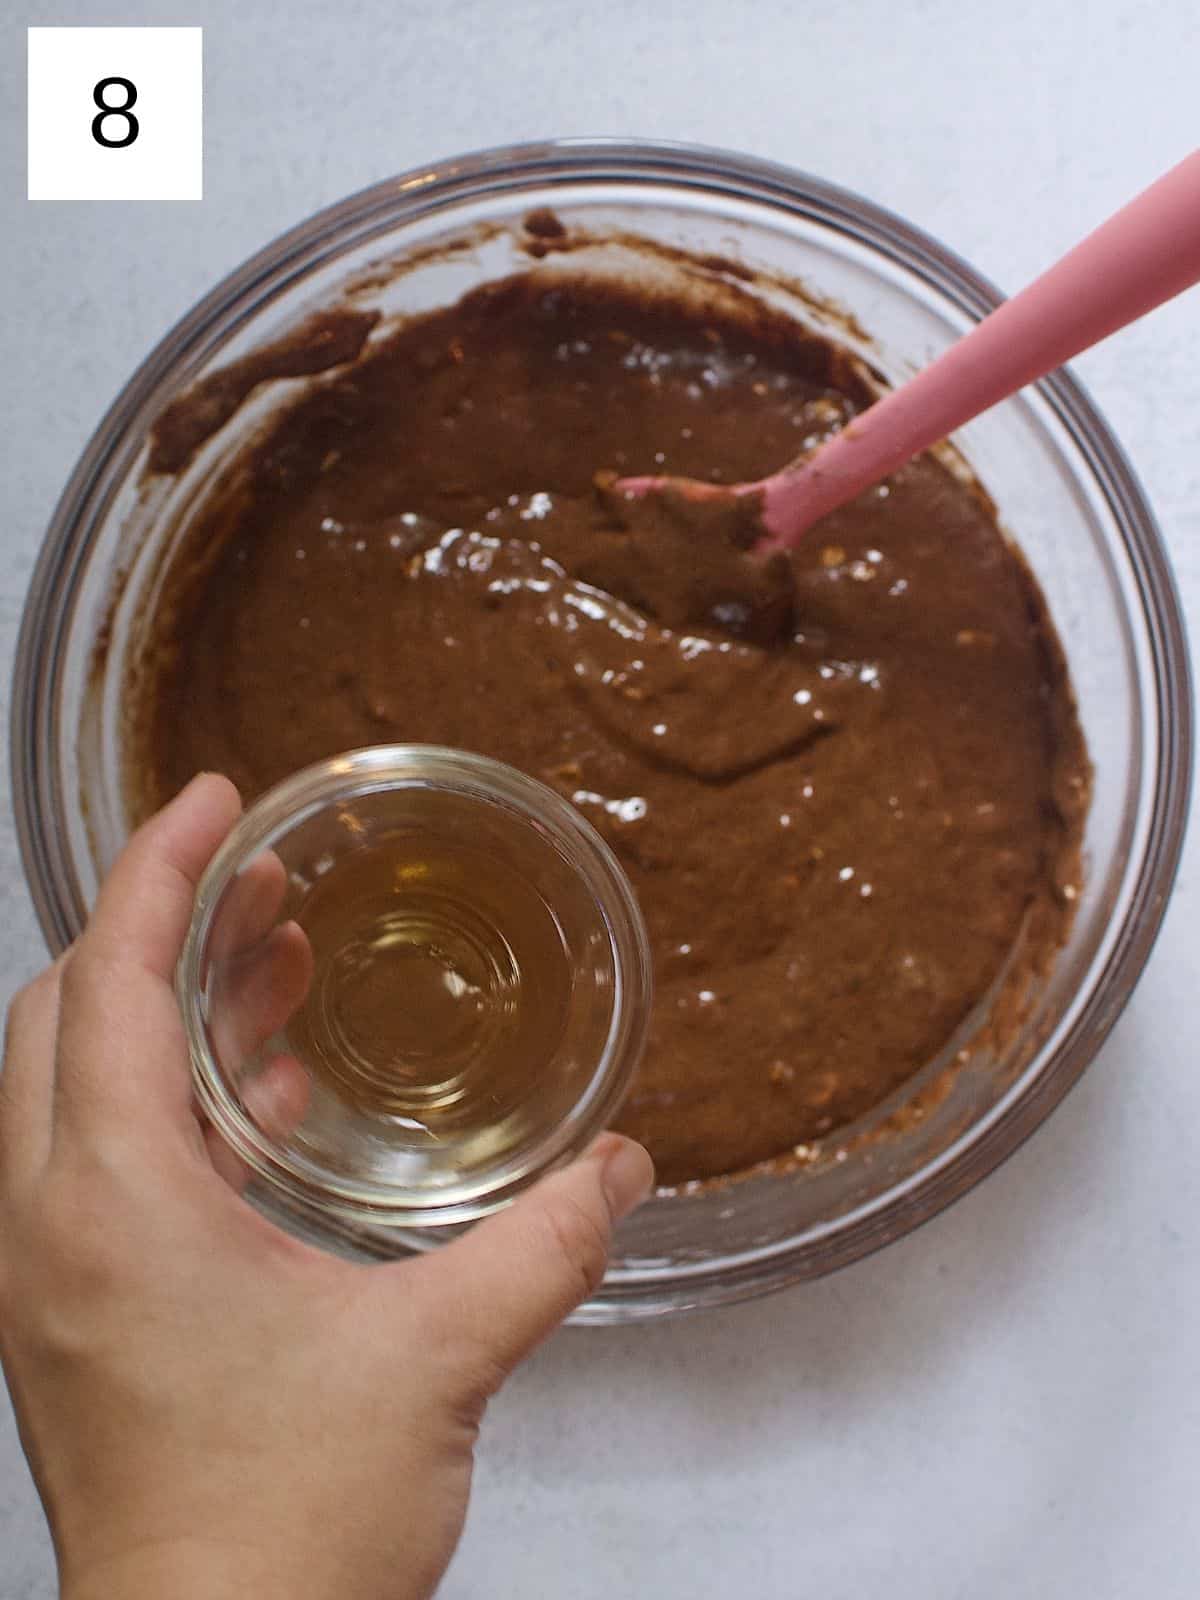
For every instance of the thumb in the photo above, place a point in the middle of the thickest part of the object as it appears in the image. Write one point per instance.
(508, 1283)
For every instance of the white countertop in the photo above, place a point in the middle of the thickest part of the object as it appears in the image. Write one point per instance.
(1008, 1403)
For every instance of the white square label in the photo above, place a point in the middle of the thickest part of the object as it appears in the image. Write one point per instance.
(115, 113)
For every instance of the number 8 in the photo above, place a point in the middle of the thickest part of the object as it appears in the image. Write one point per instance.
(114, 111)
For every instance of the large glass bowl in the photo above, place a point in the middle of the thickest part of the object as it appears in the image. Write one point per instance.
(1060, 482)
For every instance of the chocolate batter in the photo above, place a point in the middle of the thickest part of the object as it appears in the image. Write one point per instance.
(839, 837)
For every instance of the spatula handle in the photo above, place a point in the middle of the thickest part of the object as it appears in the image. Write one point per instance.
(1145, 254)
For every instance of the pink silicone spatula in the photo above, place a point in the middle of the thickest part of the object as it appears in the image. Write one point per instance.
(1145, 254)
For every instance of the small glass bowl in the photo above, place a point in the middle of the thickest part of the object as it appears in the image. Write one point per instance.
(896, 298)
(447, 959)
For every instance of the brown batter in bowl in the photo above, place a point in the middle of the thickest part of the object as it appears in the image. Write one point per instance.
(844, 840)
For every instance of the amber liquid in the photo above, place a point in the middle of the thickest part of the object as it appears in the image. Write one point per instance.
(441, 983)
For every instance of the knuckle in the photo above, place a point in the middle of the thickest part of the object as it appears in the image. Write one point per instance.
(25, 1004)
(54, 1270)
(469, 1369)
(88, 975)
(580, 1239)
(468, 1382)
(73, 1235)
(17, 1016)
(8, 1106)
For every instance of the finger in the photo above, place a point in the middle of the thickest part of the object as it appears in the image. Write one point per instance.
(249, 906)
(122, 1059)
(27, 1079)
(145, 905)
(238, 952)
(497, 1292)
(257, 992)
(277, 1100)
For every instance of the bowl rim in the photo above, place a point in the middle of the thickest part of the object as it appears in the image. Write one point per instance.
(53, 590)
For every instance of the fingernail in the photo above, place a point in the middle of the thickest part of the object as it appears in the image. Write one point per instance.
(626, 1172)
(186, 798)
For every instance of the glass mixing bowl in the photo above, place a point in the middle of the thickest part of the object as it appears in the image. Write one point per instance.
(895, 297)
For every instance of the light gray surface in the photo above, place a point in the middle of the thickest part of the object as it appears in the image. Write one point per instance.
(1007, 1404)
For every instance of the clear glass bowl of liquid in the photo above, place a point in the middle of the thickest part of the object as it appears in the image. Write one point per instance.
(894, 297)
(446, 959)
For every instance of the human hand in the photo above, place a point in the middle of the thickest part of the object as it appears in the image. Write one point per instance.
(210, 1406)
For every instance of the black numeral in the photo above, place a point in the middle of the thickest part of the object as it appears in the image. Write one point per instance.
(125, 111)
